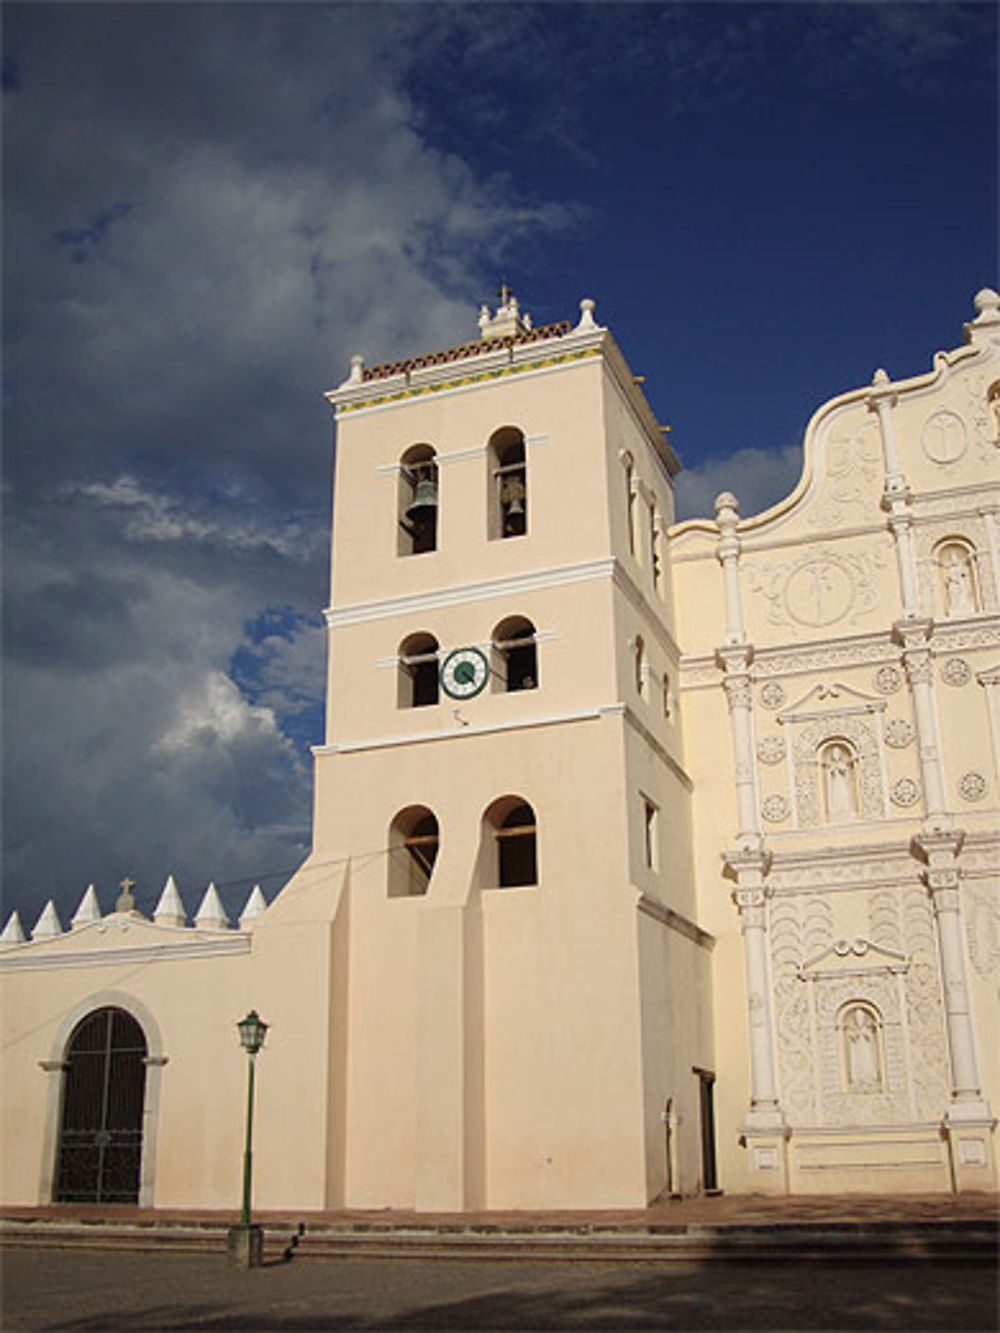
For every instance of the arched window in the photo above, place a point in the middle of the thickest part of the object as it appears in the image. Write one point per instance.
(639, 664)
(628, 464)
(509, 825)
(100, 1138)
(859, 1027)
(651, 833)
(417, 504)
(413, 849)
(515, 655)
(654, 544)
(957, 582)
(838, 764)
(508, 468)
(418, 671)
(668, 697)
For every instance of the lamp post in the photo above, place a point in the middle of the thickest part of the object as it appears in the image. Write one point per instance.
(246, 1242)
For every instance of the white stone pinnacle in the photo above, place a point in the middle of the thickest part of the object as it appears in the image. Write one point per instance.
(587, 314)
(13, 932)
(170, 910)
(211, 915)
(48, 925)
(89, 910)
(255, 905)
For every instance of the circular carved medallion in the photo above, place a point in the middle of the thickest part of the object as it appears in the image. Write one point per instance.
(774, 809)
(771, 750)
(898, 732)
(905, 792)
(888, 679)
(956, 671)
(772, 695)
(972, 786)
(944, 437)
(819, 591)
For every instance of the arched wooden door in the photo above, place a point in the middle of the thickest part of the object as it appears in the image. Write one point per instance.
(100, 1138)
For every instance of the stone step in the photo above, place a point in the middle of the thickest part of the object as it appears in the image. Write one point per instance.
(970, 1242)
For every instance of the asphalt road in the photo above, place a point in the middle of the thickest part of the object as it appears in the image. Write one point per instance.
(64, 1289)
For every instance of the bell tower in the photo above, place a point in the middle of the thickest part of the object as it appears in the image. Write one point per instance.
(522, 985)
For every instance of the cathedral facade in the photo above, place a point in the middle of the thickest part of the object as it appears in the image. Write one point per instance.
(649, 858)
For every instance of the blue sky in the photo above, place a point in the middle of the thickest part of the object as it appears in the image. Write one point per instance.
(209, 208)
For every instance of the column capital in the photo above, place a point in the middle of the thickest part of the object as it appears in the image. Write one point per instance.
(913, 634)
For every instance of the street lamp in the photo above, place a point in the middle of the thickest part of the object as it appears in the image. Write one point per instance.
(246, 1242)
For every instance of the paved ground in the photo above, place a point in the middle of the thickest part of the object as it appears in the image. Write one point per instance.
(80, 1290)
(720, 1210)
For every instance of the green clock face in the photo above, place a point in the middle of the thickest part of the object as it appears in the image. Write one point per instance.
(464, 673)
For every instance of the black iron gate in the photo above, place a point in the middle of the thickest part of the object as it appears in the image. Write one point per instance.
(100, 1140)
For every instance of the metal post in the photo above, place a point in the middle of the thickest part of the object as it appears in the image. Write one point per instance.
(248, 1148)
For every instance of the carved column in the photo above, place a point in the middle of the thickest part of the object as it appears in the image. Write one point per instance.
(734, 658)
(765, 1132)
(914, 636)
(896, 494)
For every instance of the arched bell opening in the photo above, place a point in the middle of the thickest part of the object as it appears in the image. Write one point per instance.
(103, 1104)
(509, 826)
(414, 839)
(418, 501)
(515, 656)
(508, 469)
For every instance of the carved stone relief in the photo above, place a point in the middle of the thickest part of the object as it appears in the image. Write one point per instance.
(888, 679)
(944, 438)
(972, 786)
(902, 919)
(853, 472)
(982, 915)
(800, 928)
(774, 809)
(905, 792)
(771, 750)
(825, 586)
(772, 695)
(809, 799)
(956, 671)
(899, 733)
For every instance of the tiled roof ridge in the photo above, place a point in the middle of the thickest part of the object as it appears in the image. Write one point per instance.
(475, 348)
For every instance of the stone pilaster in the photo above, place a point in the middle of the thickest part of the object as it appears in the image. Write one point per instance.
(896, 494)
(765, 1132)
(914, 636)
(968, 1120)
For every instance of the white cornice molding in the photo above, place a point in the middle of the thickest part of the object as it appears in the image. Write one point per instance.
(513, 585)
(460, 731)
(469, 373)
(35, 957)
(652, 907)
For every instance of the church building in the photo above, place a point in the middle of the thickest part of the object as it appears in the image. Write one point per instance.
(649, 858)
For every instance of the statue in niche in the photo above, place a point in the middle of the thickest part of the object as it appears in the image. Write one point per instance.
(959, 596)
(838, 779)
(864, 1072)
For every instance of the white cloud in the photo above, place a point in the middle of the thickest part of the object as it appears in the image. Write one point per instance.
(758, 478)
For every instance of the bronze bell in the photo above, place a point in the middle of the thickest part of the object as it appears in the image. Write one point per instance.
(424, 503)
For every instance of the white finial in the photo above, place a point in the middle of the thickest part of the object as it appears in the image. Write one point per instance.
(357, 374)
(211, 915)
(170, 910)
(89, 909)
(880, 377)
(484, 318)
(726, 500)
(587, 314)
(255, 905)
(13, 932)
(987, 303)
(48, 925)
